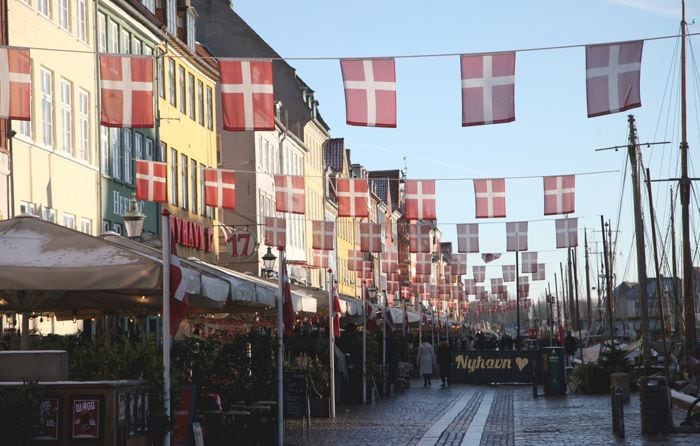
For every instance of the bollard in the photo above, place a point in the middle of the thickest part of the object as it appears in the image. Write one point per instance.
(621, 381)
(618, 415)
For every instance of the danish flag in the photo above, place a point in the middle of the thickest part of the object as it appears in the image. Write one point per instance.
(468, 237)
(559, 194)
(370, 92)
(247, 95)
(516, 236)
(355, 260)
(289, 194)
(423, 264)
(151, 181)
(370, 237)
(220, 188)
(353, 197)
(479, 273)
(420, 199)
(323, 235)
(275, 232)
(389, 262)
(469, 287)
(497, 286)
(529, 262)
(567, 232)
(612, 77)
(337, 311)
(490, 195)
(320, 258)
(459, 264)
(540, 274)
(523, 286)
(15, 84)
(419, 237)
(488, 89)
(508, 273)
(126, 91)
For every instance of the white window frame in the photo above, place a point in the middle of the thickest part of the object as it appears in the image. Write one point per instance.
(124, 41)
(184, 174)
(171, 15)
(200, 102)
(113, 41)
(66, 116)
(64, 14)
(174, 197)
(47, 111)
(191, 35)
(138, 146)
(136, 46)
(210, 109)
(149, 149)
(84, 118)
(48, 214)
(182, 83)
(202, 207)
(101, 33)
(115, 148)
(86, 226)
(44, 7)
(82, 20)
(104, 149)
(128, 153)
(194, 192)
(69, 220)
(191, 96)
(172, 85)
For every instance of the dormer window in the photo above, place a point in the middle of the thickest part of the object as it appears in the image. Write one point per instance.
(191, 34)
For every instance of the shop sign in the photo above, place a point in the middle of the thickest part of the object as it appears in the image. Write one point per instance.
(485, 367)
(241, 243)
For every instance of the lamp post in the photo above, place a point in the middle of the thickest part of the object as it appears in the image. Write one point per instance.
(268, 262)
(133, 220)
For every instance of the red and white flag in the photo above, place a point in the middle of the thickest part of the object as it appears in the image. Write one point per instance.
(220, 188)
(490, 195)
(516, 236)
(508, 273)
(389, 262)
(419, 196)
(459, 264)
(488, 88)
(337, 311)
(567, 232)
(353, 197)
(15, 84)
(529, 261)
(320, 258)
(523, 286)
(559, 194)
(479, 273)
(289, 194)
(355, 259)
(419, 237)
(126, 91)
(323, 235)
(488, 257)
(370, 92)
(469, 287)
(423, 264)
(497, 286)
(612, 77)
(179, 303)
(247, 95)
(287, 304)
(275, 232)
(468, 237)
(540, 274)
(370, 237)
(151, 181)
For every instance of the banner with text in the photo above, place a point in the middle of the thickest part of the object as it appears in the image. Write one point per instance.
(485, 367)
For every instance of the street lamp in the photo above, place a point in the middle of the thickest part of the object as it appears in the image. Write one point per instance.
(268, 262)
(133, 220)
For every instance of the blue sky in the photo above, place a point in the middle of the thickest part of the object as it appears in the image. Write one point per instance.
(551, 134)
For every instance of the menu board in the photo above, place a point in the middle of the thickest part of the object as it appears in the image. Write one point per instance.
(48, 420)
(295, 395)
(86, 418)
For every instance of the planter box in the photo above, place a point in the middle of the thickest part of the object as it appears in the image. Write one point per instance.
(319, 407)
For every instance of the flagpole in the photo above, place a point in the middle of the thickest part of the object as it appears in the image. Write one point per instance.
(517, 298)
(384, 333)
(420, 320)
(364, 345)
(331, 338)
(280, 349)
(165, 223)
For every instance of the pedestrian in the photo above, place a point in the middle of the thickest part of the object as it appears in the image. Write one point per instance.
(570, 345)
(425, 360)
(444, 360)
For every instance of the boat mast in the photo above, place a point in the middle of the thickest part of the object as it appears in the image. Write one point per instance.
(688, 298)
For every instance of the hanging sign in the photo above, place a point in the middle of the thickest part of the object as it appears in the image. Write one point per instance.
(485, 367)
(241, 243)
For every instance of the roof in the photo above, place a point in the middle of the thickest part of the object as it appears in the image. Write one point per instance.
(333, 153)
(380, 186)
(392, 178)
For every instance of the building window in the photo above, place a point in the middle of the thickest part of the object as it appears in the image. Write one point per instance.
(136, 46)
(104, 149)
(48, 214)
(86, 225)
(84, 99)
(115, 146)
(82, 21)
(150, 5)
(191, 39)
(64, 14)
(47, 105)
(127, 156)
(113, 37)
(210, 108)
(184, 165)
(149, 149)
(183, 101)
(26, 207)
(125, 38)
(172, 88)
(200, 102)
(44, 8)
(69, 221)
(190, 87)
(66, 116)
(138, 146)
(173, 176)
(117, 227)
(101, 33)
(202, 208)
(148, 51)
(193, 186)
(171, 14)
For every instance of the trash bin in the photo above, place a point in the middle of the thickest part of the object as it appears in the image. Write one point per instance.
(553, 370)
(655, 406)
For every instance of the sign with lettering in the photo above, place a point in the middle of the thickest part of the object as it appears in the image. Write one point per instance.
(241, 243)
(296, 395)
(86, 418)
(485, 367)
(48, 419)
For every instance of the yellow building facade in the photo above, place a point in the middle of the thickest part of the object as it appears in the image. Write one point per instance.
(315, 135)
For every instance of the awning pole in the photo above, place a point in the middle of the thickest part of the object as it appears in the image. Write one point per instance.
(165, 222)
(331, 338)
(364, 346)
(280, 348)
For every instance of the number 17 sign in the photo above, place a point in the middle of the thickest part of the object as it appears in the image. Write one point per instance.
(241, 244)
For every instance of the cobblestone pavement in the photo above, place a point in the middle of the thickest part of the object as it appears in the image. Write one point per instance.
(463, 415)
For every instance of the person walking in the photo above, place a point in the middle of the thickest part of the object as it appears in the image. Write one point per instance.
(444, 359)
(425, 360)
(570, 345)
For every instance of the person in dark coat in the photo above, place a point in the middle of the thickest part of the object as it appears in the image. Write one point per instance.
(444, 360)
(570, 345)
